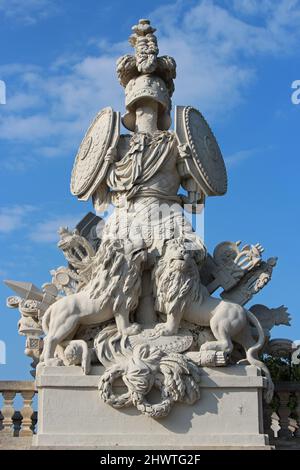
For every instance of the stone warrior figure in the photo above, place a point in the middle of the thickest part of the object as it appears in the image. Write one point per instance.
(145, 275)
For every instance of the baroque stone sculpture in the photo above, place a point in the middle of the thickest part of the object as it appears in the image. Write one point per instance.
(136, 296)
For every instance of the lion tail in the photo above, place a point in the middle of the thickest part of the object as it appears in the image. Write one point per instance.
(251, 354)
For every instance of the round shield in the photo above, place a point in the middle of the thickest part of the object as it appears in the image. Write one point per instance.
(91, 153)
(178, 343)
(206, 153)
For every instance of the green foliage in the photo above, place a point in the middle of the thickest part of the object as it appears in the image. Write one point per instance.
(281, 369)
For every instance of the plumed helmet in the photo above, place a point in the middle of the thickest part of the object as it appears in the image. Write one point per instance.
(152, 87)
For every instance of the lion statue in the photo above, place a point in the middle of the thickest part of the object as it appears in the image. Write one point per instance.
(180, 295)
(112, 293)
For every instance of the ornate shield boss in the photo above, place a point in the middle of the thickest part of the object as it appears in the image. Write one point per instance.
(205, 162)
(90, 163)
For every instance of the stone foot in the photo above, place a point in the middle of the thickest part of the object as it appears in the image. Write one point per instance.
(131, 330)
(209, 358)
(163, 329)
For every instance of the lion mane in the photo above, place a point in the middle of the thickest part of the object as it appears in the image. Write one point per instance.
(177, 282)
(116, 275)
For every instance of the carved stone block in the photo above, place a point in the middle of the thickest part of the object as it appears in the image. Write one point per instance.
(229, 413)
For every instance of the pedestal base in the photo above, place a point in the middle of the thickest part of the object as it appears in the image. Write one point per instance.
(228, 414)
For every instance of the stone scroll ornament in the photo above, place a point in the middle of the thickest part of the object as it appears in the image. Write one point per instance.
(136, 294)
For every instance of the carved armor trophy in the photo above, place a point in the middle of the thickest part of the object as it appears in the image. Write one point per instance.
(138, 301)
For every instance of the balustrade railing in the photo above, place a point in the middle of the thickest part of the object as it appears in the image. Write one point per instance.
(15, 422)
(281, 417)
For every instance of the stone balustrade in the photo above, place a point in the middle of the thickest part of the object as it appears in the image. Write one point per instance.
(17, 422)
(282, 417)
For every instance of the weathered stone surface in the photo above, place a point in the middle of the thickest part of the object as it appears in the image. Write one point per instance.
(228, 414)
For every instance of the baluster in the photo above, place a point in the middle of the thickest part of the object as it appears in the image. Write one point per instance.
(284, 414)
(275, 426)
(27, 412)
(8, 412)
(293, 426)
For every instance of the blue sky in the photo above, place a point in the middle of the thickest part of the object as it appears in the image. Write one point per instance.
(236, 61)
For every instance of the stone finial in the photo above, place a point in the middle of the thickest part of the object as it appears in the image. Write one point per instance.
(145, 59)
(145, 75)
(145, 44)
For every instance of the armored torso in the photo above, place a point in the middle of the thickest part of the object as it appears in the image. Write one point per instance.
(148, 168)
(144, 184)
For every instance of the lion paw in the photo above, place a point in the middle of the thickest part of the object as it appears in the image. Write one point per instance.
(221, 358)
(163, 329)
(131, 330)
(208, 358)
(86, 368)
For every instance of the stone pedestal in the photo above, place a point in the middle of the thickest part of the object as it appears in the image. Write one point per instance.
(228, 414)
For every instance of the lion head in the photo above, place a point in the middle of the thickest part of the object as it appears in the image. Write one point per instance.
(176, 277)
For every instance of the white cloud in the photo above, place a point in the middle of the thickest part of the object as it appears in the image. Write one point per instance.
(47, 231)
(27, 128)
(56, 107)
(213, 46)
(240, 156)
(18, 217)
(22, 101)
(14, 217)
(252, 7)
(272, 12)
(15, 163)
(27, 11)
